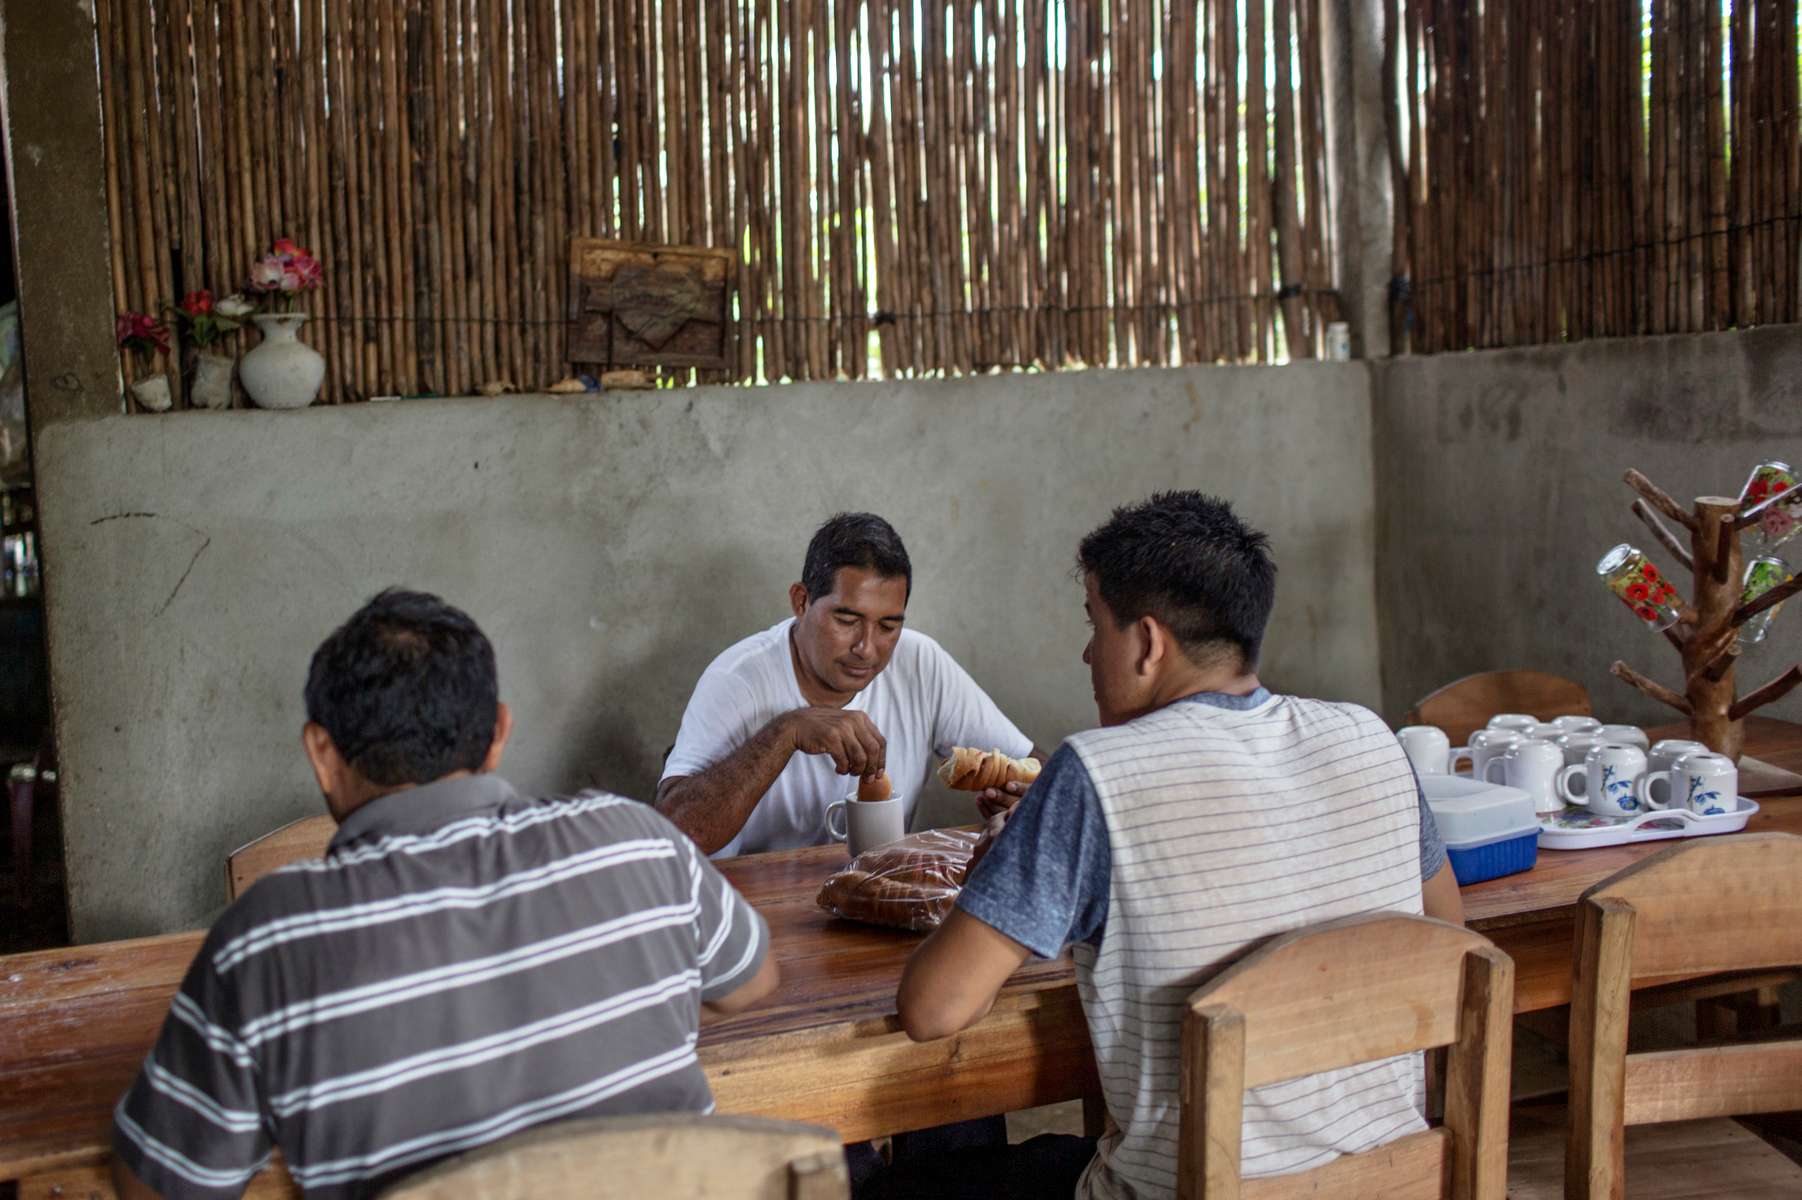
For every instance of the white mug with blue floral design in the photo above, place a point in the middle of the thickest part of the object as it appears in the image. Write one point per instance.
(1609, 775)
(1702, 781)
(1660, 759)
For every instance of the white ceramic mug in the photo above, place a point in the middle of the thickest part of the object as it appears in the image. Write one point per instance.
(1611, 776)
(1576, 724)
(1576, 744)
(1543, 731)
(866, 824)
(1704, 782)
(1514, 721)
(1625, 735)
(1485, 745)
(1533, 768)
(1427, 748)
(1659, 760)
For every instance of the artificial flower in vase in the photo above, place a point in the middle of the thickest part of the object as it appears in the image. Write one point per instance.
(148, 338)
(204, 323)
(282, 371)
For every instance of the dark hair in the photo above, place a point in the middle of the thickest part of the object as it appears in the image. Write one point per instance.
(406, 688)
(1184, 558)
(854, 540)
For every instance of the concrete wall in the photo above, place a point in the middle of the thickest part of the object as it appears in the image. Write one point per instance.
(1499, 486)
(611, 546)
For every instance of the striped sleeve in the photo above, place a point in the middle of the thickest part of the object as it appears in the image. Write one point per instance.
(192, 1125)
(731, 938)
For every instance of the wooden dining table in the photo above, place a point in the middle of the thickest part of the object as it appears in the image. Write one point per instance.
(827, 1048)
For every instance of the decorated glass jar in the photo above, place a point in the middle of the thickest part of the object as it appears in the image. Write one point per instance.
(1780, 522)
(1763, 574)
(1641, 586)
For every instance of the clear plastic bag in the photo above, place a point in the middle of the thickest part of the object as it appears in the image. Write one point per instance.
(909, 884)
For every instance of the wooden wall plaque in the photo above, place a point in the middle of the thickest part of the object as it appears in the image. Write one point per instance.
(640, 304)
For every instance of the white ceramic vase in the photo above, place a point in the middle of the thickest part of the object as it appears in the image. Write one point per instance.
(153, 393)
(212, 381)
(281, 371)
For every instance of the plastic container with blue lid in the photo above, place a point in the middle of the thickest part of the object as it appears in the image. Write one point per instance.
(1489, 830)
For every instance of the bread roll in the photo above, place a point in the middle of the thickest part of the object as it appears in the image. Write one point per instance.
(971, 770)
(909, 884)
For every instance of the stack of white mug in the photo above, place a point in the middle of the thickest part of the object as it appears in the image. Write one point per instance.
(1608, 769)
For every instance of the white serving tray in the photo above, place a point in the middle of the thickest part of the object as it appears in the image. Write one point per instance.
(1579, 829)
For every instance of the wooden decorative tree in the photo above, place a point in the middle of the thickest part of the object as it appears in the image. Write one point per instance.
(1707, 631)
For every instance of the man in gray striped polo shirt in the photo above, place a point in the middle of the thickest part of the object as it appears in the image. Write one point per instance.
(1205, 816)
(462, 964)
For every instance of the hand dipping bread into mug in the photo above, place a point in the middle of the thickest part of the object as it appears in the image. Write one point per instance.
(873, 817)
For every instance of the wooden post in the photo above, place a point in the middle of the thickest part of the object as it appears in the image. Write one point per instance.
(1476, 1079)
(1598, 1048)
(56, 168)
(1212, 1092)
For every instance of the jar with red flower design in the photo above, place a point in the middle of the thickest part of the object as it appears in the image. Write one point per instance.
(1780, 522)
(1640, 585)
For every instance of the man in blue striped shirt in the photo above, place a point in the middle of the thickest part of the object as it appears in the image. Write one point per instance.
(463, 963)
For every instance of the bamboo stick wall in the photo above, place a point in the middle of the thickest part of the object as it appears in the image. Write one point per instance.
(1609, 168)
(912, 186)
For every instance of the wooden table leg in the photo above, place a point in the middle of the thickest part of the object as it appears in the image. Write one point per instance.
(1094, 1114)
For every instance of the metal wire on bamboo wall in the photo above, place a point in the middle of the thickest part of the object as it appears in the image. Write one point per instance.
(911, 186)
(1614, 167)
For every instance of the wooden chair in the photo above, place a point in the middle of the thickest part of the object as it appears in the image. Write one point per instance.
(1731, 904)
(1333, 996)
(672, 1154)
(305, 838)
(1465, 706)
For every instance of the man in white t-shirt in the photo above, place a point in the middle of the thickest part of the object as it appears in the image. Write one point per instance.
(785, 722)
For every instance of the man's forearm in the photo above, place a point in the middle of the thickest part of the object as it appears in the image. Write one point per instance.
(713, 806)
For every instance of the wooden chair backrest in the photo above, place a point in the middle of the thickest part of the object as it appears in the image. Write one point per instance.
(1698, 907)
(305, 838)
(1465, 706)
(666, 1154)
(1338, 994)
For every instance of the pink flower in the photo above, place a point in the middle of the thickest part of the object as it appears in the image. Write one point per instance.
(141, 332)
(1777, 523)
(306, 271)
(266, 274)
